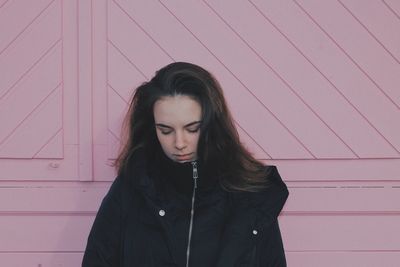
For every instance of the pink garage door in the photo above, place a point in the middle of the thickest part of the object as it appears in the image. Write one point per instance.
(313, 87)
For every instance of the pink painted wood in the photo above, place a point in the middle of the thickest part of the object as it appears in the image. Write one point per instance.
(313, 87)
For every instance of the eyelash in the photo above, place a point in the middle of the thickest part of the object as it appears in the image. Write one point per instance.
(190, 131)
(195, 130)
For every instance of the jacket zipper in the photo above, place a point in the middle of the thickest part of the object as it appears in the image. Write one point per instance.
(195, 176)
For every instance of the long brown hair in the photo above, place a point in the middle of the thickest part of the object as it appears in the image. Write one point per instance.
(219, 146)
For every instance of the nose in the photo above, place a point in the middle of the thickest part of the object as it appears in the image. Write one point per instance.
(180, 142)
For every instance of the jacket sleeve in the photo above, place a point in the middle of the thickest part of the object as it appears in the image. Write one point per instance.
(271, 252)
(103, 244)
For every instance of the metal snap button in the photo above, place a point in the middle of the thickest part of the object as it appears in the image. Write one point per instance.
(161, 212)
(255, 232)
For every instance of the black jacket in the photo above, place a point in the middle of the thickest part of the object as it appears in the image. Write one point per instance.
(144, 220)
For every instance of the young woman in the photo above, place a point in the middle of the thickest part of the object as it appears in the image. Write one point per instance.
(187, 192)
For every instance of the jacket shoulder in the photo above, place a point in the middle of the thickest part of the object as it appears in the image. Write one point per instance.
(270, 200)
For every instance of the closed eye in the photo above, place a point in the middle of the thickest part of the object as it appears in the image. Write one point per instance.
(192, 127)
(194, 130)
(165, 130)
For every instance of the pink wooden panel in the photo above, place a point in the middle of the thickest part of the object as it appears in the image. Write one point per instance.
(304, 225)
(343, 200)
(357, 43)
(379, 21)
(28, 12)
(366, 204)
(320, 79)
(340, 70)
(77, 199)
(44, 233)
(65, 169)
(38, 87)
(2, 2)
(341, 233)
(24, 62)
(49, 259)
(214, 35)
(343, 259)
(339, 170)
(36, 121)
(393, 6)
(103, 147)
(173, 42)
(85, 92)
(328, 105)
(71, 199)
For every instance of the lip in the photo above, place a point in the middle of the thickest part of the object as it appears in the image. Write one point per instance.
(183, 157)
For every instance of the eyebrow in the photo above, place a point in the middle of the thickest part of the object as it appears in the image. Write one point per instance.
(169, 127)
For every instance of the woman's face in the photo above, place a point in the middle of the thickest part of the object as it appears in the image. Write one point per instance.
(177, 121)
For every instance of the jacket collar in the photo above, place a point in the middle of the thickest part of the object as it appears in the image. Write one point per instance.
(255, 209)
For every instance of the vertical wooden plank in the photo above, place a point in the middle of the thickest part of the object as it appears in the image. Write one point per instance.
(70, 73)
(102, 164)
(85, 90)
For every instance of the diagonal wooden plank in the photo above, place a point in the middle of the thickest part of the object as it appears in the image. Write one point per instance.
(36, 130)
(21, 15)
(138, 44)
(3, 3)
(251, 144)
(112, 45)
(375, 63)
(34, 89)
(393, 6)
(271, 48)
(340, 72)
(379, 22)
(30, 68)
(142, 29)
(173, 35)
(257, 74)
(117, 93)
(122, 73)
(53, 148)
(16, 61)
(116, 110)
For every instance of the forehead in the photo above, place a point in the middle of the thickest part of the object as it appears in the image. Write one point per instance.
(177, 110)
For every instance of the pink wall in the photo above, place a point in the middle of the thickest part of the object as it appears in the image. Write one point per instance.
(313, 86)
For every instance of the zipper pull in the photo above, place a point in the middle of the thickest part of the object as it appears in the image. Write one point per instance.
(195, 174)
